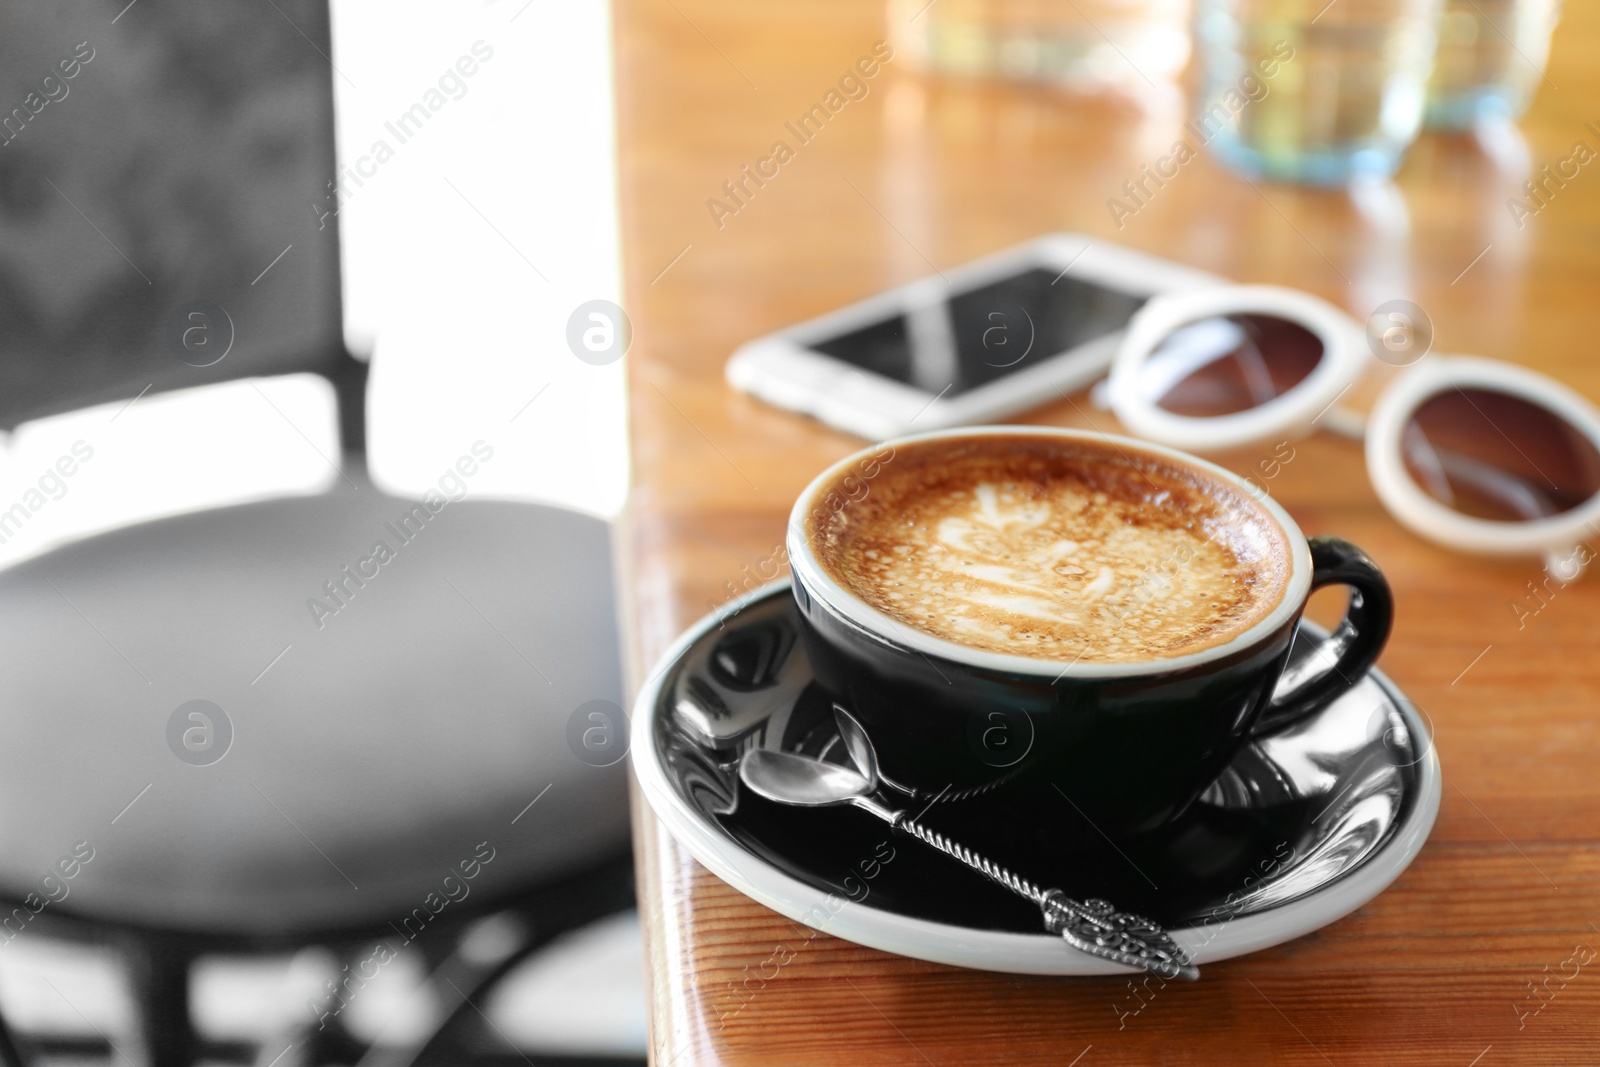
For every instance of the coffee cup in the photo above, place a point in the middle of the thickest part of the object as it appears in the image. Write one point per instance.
(1108, 615)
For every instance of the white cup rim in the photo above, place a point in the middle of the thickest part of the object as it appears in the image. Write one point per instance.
(813, 577)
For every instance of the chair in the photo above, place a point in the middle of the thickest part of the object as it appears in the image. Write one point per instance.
(251, 728)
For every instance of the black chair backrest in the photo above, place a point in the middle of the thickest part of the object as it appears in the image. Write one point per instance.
(166, 202)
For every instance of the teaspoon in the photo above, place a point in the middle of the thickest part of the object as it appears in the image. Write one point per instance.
(1092, 926)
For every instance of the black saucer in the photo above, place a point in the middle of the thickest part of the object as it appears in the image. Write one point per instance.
(1292, 816)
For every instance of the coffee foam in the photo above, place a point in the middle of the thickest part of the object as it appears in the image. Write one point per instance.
(1056, 549)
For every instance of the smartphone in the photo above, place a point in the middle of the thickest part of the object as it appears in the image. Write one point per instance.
(978, 343)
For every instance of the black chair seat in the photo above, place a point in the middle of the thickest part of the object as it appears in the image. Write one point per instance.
(392, 738)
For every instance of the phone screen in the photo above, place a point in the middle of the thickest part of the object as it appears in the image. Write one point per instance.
(953, 344)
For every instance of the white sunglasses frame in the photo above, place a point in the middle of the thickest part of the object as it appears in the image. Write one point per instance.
(1297, 411)
(1292, 412)
(1555, 536)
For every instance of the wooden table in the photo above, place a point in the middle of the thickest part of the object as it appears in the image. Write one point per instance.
(922, 175)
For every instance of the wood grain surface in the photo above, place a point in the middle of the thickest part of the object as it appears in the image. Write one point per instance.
(923, 175)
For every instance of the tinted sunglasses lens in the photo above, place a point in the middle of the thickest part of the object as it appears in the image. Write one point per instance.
(1495, 456)
(1228, 364)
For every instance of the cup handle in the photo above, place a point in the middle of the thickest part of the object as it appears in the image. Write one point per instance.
(1311, 683)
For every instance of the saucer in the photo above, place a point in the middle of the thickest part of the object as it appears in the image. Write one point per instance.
(1305, 826)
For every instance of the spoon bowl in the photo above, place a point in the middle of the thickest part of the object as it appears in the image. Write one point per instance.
(862, 754)
(791, 779)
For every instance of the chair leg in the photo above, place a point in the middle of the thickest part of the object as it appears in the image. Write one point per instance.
(544, 917)
(158, 971)
(9, 1056)
(298, 1038)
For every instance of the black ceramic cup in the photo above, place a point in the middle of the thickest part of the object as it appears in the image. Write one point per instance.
(1130, 744)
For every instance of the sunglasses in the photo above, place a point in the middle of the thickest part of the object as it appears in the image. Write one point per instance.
(1476, 454)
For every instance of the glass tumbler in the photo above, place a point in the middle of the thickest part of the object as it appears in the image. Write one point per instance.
(1322, 92)
(1491, 59)
(1087, 45)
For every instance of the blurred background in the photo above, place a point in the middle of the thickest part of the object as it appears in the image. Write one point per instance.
(183, 164)
(382, 311)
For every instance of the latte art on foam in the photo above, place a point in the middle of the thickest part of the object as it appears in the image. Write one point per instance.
(1054, 550)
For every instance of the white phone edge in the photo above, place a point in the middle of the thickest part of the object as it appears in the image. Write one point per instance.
(782, 370)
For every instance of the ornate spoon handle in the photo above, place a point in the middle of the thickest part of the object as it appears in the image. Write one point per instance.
(1093, 926)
